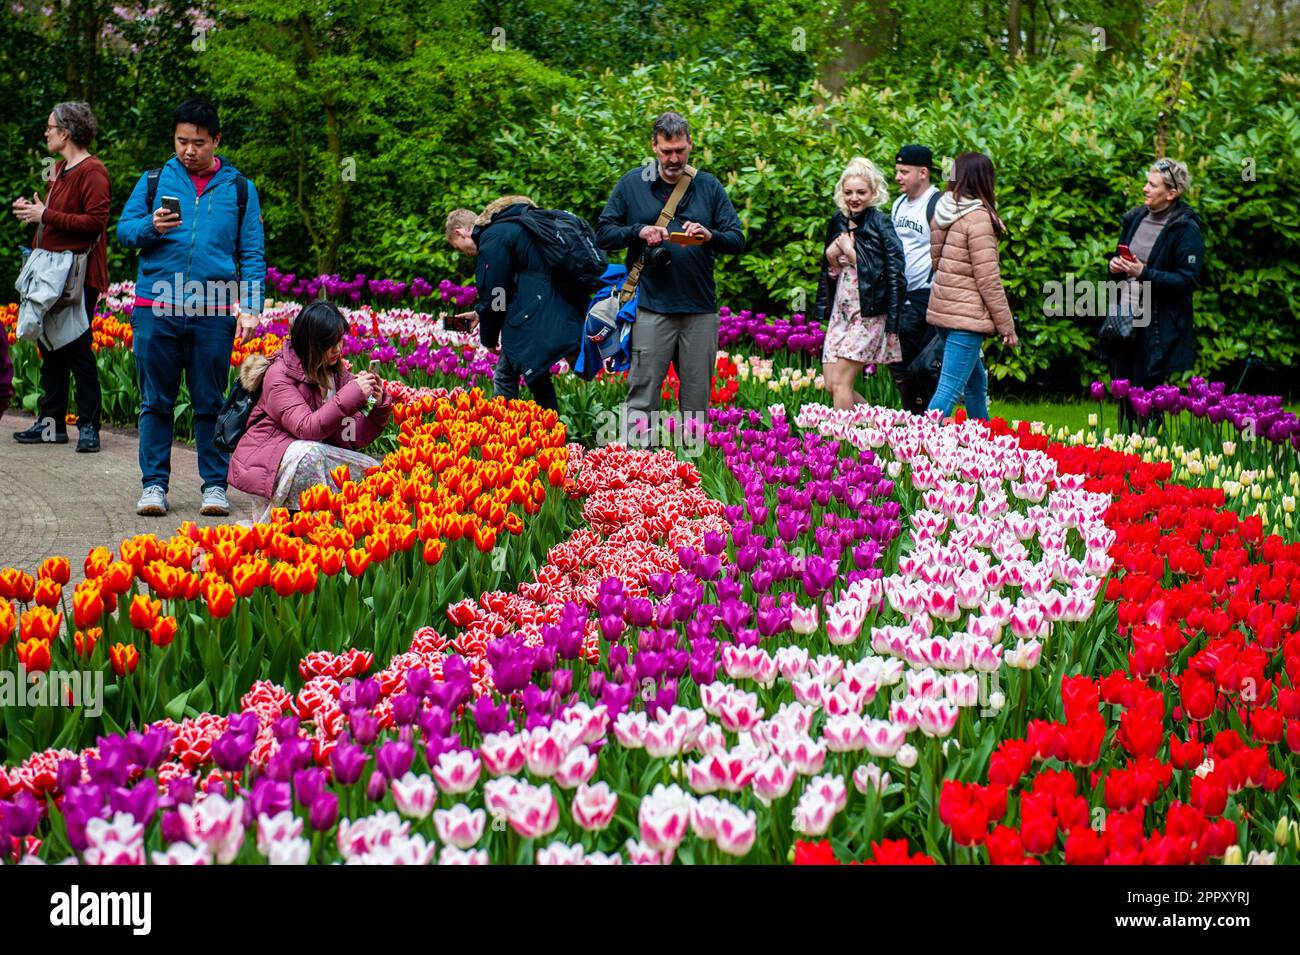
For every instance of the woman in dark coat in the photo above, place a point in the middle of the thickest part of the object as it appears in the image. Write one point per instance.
(1164, 238)
(862, 284)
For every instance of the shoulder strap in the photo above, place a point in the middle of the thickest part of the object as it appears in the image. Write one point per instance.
(665, 217)
(929, 208)
(893, 210)
(151, 188)
(241, 199)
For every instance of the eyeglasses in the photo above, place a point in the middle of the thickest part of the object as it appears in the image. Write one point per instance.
(49, 126)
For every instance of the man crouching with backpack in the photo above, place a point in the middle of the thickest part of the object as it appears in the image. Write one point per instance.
(197, 223)
(519, 308)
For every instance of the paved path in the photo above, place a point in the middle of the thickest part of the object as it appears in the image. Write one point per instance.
(54, 501)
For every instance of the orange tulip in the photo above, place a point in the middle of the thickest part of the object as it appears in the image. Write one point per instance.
(97, 561)
(307, 576)
(24, 587)
(84, 643)
(87, 604)
(221, 599)
(34, 654)
(433, 551)
(378, 546)
(225, 554)
(192, 581)
(41, 623)
(283, 579)
(356, 561)
(514, 524)
(7, 621)
(56, 569)
(118, 577)
(163, 631)
(125, 658)
(144, 612)
(331, 560)
(485, 538)
(340, 475)
(48, 592)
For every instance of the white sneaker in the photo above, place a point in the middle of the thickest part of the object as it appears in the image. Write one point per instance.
(215, 502)
(153, 502)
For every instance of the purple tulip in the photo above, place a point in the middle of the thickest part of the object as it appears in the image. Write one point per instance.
(324, 812)
(347, 760)
(488, 717)
(308, 784)
(406, 706)
(150, 748)
(363, 726)
(285, 728)
(230, 750)
(394, 758)
(172, 827)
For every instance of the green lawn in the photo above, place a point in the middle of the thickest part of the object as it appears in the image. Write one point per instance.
(1055, 414)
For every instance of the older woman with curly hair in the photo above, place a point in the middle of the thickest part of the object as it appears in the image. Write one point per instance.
(72, 218)
(862, 283)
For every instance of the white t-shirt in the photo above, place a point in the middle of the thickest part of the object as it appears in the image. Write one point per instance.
(914, 232)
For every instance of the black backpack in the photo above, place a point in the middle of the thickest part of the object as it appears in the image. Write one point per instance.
(241, 199)
(568, 246)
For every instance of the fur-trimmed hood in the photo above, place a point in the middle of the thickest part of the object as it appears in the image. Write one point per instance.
(252, 370)
(496, 205)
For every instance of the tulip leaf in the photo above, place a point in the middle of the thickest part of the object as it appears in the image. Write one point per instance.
(175, 707)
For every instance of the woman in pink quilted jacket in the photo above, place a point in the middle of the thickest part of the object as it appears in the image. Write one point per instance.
(967, 301)
(311, 416)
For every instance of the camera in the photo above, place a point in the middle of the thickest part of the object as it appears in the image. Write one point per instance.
(659, 257)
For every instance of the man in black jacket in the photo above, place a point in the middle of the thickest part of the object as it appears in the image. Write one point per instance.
(518, 307)
(677, 309)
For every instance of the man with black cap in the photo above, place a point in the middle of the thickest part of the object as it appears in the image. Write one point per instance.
(912, 213)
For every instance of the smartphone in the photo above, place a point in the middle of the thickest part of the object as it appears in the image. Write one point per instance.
(1126, 253)
(454, 324)
(374, 366)
(172, 205)
(682, 238)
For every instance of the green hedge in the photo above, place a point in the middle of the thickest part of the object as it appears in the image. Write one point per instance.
(1071, 152)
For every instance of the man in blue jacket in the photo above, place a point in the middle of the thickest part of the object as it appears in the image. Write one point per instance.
(201, 275)
(677, 312)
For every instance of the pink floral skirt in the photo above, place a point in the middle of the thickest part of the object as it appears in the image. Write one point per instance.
(851, 336)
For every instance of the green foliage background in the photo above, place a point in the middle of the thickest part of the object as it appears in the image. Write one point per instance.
(362, 127)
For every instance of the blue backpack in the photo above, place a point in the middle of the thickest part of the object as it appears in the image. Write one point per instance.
(607, 331)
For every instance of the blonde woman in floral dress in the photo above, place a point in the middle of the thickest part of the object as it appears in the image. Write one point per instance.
(860, 292)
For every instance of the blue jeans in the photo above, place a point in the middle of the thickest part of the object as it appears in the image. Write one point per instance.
(164, 346)
(962, 374)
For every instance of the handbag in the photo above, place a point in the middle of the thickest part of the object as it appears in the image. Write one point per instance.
(1117, 326)
(232, 420)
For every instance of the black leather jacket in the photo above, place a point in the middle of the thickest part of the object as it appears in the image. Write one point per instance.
(882, 278)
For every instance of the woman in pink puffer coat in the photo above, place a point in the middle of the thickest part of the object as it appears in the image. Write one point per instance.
(311, 415)
(967, 301)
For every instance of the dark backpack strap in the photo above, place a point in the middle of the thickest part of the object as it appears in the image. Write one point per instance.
(151, 189)
(893, 210)
(929, 209)
(241, 199)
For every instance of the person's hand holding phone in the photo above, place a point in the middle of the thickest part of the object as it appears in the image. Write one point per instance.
(1011, 340)
(165, 221)
(697, 230)
(370, 384)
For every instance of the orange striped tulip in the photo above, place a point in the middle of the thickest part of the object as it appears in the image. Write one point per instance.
(41, 623)
(48, 592)
(144, 612)
(34, 654)
(87, 604)
(163, 631)
(56, 569)
(125, 658)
